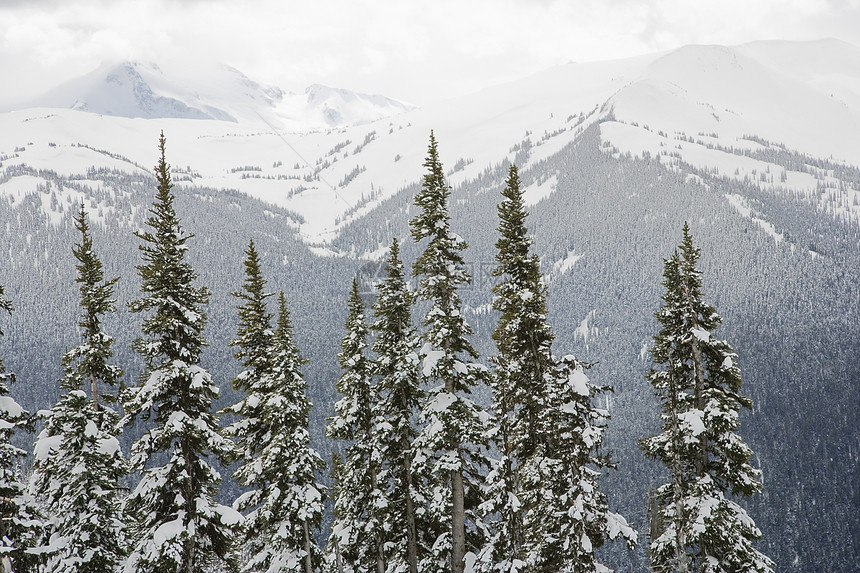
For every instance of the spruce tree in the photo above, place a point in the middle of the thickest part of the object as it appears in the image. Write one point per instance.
(78, 462)
(701, 528)
(549, 513)
(357, 529)
(398, 398)
(523, 339)
(174, 521)
(566, 515)
(284, 502)
(21, 522)
(449, 445)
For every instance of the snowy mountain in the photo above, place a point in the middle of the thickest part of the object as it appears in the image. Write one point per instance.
(215, 92)
(705, 106)
(755, 146)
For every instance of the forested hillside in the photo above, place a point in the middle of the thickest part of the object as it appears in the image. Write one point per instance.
(789, 306)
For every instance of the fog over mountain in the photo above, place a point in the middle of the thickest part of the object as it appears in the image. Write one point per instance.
(756, 146)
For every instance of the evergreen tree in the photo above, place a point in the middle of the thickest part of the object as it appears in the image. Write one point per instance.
(399, 395)
(78, 462)
(701, 528)
(276, 461)
(357, 529)
(566, 515)
(543, 491)
(175, 523)
(20, 521)
(523, 339)
(449, 445)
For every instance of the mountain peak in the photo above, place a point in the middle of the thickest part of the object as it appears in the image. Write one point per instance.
(130, 89)
(339, 106)
(137, 89)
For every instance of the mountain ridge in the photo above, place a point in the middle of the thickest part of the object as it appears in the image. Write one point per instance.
(206, 91)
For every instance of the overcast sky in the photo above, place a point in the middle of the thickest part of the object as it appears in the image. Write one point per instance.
(414, 50)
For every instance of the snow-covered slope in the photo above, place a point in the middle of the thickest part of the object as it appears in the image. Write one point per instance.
(700, 106)
(805, 96)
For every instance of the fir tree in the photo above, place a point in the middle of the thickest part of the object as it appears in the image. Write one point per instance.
(701, 528)
(175, 523)
(357, 529)
(399, 395)
(20, 521)
(566, 515)
(523, 339)
(285, 502)
(449, 445)
(543, 491)
(78, 462)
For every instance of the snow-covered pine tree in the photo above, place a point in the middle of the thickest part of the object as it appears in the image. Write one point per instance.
(78, 463)
(450, 443)
(566, 515)
(174, 521)
(284, 503)
(357, 529)
(549, 513)
(398, 397)
(699, 385)
(20, 521)
(523, 339)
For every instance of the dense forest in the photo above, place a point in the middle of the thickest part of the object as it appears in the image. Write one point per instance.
(788, 309)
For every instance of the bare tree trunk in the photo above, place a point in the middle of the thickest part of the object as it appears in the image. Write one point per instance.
(411, 529)
(94, 392)
(458, 522)
(380, 555)
(308, 560)
(677, 486)
(699, 372)
(337, 558)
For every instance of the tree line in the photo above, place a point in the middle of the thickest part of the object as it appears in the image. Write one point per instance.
(430, 481)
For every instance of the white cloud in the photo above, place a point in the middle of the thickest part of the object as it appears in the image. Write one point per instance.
(415, 50)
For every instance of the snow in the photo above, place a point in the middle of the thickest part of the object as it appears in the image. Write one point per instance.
(168, 531)
(91, 429)
(737, 91)
(536, 192)
(229, 516)
(431, 357)
(10, 408)
(441, 402)
(701, 334)
(579, 381)
(715, 94)
(584, 330)
(45, 445)
(109, 446)
(564, 264)
(692, 420)
(740, 204)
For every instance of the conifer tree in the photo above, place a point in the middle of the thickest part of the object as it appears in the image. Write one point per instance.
(449, 445)
(284, 503)
(699, 384)
(566, 515)
(175, 523)
(78, 462)
(20, 521)
(523, 339)
(543, 491)
(360, 501)
(399, 395)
